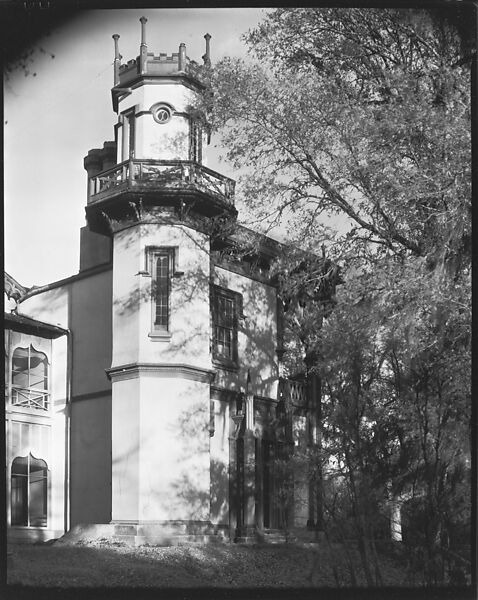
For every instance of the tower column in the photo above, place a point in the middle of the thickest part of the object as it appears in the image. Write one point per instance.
(156, 208)
(160, 383)
(248, 528)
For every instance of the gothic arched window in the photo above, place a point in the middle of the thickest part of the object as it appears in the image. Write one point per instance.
(30, 378)
(29, 492)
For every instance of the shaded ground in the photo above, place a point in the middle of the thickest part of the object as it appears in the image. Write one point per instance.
(106, 564)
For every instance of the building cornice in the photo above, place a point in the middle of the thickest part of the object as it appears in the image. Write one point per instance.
(177, 370)
(24, 324)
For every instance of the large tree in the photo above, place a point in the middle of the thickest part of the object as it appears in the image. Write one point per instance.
(359, 112)
(364, 114)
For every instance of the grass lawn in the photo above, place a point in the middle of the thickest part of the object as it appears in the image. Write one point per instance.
(106, 564)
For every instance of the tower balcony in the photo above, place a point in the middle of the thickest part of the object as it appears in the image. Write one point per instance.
(157, 176)
(293, 393)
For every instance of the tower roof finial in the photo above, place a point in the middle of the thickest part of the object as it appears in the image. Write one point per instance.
(143, 49)
(117, 60)
(207, 57)
(143, 21)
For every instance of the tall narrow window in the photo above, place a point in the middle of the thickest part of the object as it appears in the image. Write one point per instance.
(131, 128)
(195, 142)
(127, 149)
(161, 292)
(225, 314)
(30, 379)
(29, 492)
(161, 264)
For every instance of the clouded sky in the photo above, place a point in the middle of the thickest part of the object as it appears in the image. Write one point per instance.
(54, 118)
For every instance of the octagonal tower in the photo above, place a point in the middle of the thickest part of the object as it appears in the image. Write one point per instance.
(151, 193)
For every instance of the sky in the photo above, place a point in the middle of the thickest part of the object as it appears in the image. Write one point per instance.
(53, 118)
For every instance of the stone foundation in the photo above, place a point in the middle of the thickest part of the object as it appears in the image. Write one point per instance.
(153, 533)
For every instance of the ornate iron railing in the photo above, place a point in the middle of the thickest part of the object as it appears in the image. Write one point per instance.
(30, 398)
(165, 173)
(293, 392)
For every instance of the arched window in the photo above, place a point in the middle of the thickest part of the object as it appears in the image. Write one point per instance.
(30, 378)
(29, 492)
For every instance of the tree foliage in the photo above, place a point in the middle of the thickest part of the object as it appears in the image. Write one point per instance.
(365, 114)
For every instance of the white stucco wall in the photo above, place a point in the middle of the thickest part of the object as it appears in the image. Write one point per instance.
(41, 433)
(219, 444)
(257, 335)
(160, 449)
(90, 322)
(91, 460)
(50, 306)
(159, 141)
(189, 298)
(84, 306)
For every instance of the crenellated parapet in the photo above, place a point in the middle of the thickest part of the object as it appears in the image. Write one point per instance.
(158, 160)
(149, 66)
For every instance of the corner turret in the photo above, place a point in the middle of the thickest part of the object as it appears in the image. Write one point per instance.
(160, 143)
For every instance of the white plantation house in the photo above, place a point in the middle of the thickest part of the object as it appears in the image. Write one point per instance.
(143, 392)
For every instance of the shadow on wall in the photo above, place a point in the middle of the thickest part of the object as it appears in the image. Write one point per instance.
(197, 483)
(258, 346)
(194, 429)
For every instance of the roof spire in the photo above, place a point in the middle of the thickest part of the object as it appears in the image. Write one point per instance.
(182, 57)
(117, 60)
(207, 57)
(143, 49)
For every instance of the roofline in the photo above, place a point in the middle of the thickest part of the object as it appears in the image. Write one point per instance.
(25, 324)
(33, 291)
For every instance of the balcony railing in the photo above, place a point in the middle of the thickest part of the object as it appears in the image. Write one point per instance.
(169, 174)
(294, 392)
(30, 398)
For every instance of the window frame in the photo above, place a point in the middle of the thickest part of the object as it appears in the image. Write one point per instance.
(195, 141)
(128, 140)
(217, 292)
(162, 106)
(152, 253)
(30, 390)
(161, 292)
(25, 488)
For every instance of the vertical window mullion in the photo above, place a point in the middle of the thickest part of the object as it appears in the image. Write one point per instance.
(162, 292)
(29, 367)
(161, 264)
(224, 320)
(28, 490)
(131, 132)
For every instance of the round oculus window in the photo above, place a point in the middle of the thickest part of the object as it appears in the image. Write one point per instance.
(161, 114)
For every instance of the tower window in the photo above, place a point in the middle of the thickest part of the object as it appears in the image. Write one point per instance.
(195, 142)
(226, 308)
(161, 292)
(161, 113)
(30, 379)
(161, 265)
(29, 492)
(128, 120)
